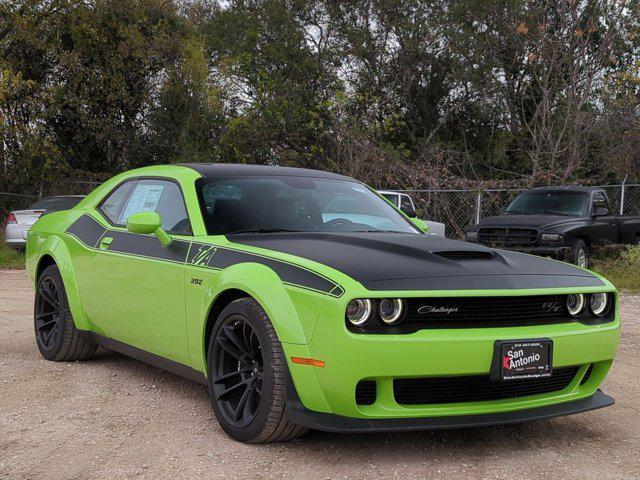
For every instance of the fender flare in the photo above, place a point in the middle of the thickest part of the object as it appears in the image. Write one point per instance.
(57, 249)
(261, 283)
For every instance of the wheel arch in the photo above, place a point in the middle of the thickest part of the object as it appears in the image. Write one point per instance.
(263, 285)
(55, 252)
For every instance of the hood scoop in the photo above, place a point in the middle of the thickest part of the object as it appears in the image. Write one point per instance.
(464, 255)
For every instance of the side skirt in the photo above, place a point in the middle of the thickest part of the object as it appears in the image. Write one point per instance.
(150, 358)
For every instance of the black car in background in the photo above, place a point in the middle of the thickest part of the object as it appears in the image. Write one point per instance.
(560, 222)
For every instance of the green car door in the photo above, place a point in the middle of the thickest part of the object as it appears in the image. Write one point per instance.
(139, 284)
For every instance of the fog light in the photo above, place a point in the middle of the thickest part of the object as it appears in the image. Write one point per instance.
(598, 303)
(359, 311)
(390, 310)
(576, 304)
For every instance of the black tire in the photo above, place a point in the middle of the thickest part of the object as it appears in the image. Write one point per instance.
(57, 337)
(580, 253)
(247, 376)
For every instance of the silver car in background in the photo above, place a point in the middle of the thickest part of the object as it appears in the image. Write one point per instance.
(405, 203)
(19, 221)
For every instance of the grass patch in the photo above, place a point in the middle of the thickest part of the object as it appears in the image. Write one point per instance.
(621, 269)
(10, 258)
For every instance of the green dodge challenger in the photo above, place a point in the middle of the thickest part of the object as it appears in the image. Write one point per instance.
(302, 299)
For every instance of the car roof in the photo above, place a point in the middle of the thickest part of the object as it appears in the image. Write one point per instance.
(216, 170)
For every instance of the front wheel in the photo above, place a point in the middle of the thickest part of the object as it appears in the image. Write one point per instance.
(246, 366)
(57, 337)
(580, 253)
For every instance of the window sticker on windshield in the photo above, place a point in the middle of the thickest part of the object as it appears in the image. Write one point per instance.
(144, 198)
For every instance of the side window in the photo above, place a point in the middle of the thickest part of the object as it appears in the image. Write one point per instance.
(149, 195)
(112, 206)
(405, 202)
(392, 197)
(159, 196)
(599, 201)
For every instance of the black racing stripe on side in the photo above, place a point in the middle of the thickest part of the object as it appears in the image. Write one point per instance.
(147, 246)
(86, 229)
(289, 273)
(220, 258)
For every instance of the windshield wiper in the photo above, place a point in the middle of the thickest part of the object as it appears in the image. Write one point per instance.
(262, 230)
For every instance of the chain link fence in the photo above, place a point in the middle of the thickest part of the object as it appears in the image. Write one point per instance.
(460, 210)
(10, 201)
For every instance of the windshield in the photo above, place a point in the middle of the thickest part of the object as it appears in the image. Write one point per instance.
(548, 203)
(297, 204)
(54, 204)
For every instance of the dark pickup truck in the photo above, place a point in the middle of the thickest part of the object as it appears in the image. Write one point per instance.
(560, 222)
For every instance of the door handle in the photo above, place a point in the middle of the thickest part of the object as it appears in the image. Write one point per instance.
(105, 242)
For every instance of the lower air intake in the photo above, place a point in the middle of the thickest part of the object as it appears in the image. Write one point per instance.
(366, 392)
(476, 388)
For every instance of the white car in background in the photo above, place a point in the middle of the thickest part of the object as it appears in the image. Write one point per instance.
(405, 203)
(19, 221)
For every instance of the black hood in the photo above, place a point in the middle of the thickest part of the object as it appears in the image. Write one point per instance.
(525, 221)
(398, 261)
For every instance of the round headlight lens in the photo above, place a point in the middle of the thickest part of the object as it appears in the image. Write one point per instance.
(390, 310)
(598, 303)
(359, 311)
(576, 304)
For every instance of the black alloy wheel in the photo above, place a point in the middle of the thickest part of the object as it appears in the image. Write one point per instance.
(57, 337)
(247, 375)
(47, 314)
(239, 370)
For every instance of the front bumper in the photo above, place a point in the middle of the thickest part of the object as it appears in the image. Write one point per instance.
(327, 422)
(353, 357)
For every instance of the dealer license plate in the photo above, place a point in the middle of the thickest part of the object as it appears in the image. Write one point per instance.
(523, 359)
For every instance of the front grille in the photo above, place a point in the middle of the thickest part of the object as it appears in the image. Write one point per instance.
(471, 312)
(476, 388)
(366, 392)
(478, 312)
(461, 255)
(508, 236)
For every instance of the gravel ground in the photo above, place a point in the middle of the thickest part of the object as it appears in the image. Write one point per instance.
(114, 417)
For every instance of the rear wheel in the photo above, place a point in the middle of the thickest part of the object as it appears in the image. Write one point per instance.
(246, 366)
(580, 253)
(57, 337)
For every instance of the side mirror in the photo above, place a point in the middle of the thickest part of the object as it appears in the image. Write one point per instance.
(409, 211)
(420, 224)
(601, 212)
(147, 223)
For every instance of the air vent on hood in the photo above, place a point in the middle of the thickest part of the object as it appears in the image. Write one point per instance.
(460, 255)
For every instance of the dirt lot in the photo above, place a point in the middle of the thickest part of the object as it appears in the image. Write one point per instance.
(114, 417)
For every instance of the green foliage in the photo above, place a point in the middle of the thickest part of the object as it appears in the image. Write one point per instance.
(10, 258)
(434, 91)
(622, 270)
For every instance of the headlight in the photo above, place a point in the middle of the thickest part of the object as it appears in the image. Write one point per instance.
(576, 304)
(359, 311)
(551, 238)
(471, 236)
(390, 310)
(598, 303)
